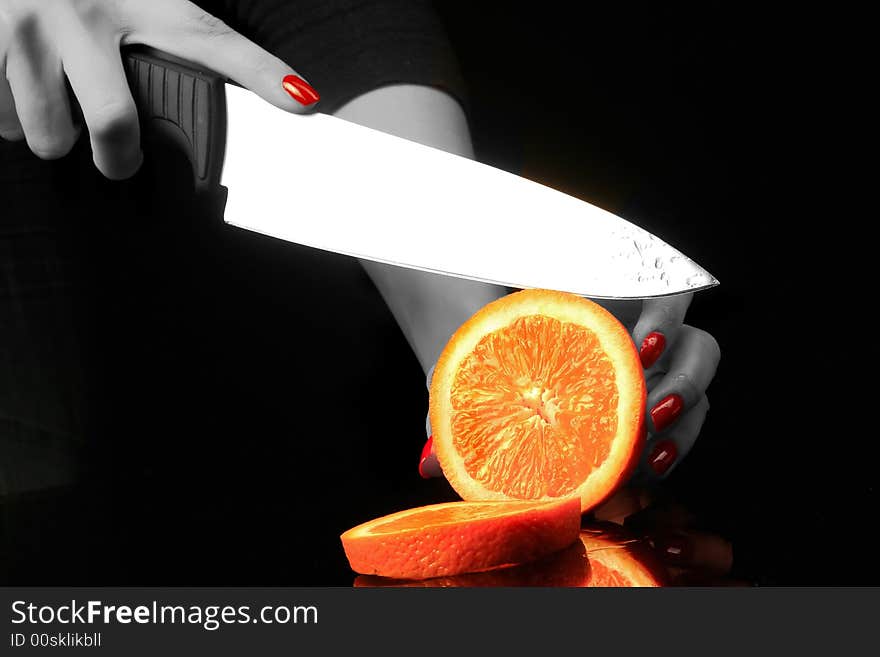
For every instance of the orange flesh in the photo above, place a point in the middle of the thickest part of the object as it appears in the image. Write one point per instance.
(601, 575)
(534, 421)
(460, 537)
(433, 517)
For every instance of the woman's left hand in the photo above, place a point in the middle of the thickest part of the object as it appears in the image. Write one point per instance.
(680, 362)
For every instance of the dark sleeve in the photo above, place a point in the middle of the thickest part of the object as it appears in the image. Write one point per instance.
(345, 48)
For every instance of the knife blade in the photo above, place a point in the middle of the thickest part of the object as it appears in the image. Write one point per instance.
(367, 194)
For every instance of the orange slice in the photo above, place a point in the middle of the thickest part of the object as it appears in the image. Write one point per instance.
(540, 395)
(566, 568)
(457, 537)
(599, 559)
(619, 562)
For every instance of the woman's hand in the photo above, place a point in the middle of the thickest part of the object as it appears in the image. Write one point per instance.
(46, 46)
(680, 362)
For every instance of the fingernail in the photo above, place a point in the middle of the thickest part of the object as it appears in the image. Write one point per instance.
(426, 452)
(662, 456)
(300, 90)
(652, 347)
(666, 411)
(674, 549)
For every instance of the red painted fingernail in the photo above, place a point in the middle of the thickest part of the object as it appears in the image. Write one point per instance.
(426, 452)
(652, 346)
(666, 411)
(662, 456)
(300, 90)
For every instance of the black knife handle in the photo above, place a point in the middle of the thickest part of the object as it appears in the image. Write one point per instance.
(184, 103)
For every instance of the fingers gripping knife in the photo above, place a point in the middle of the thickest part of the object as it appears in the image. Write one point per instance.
(185, 105)
(371, 195)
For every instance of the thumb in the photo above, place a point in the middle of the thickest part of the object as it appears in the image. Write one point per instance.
(180, 28)
(429, 465)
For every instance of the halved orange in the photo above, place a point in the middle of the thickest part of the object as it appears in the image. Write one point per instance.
(446, 539)
(540, 395)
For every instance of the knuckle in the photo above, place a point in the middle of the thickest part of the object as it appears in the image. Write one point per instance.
(93, 12)
(701, 341)
(670, 309)
(705, 404)
(89, 11)
(10, 129)
(11, 134)
(687, 388)
(701, 407)
(50, 146)
(665, 315)
(209, 25)
(653, 379)
(113, 122)
(38, 111)
(101, 19)
(48, 137)
(707, 342)
(24, 18)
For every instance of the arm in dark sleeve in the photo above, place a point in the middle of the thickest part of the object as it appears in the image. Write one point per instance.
(380, 63)
(345, 48)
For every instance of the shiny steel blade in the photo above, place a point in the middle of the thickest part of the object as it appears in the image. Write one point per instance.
(330, 184)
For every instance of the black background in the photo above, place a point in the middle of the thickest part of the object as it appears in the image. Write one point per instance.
(710, 127)
(687, 123)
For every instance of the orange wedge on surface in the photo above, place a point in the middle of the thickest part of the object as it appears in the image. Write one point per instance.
(539, 396)
(448, 539)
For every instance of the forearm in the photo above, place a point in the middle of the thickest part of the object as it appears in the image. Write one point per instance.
(428, 307)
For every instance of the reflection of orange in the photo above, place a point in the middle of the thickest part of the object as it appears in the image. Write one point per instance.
(568, 567)
(458, 537)
(539, 395)
(619, 561)
(603, 557)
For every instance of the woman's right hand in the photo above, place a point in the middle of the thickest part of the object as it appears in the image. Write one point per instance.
(46, 46)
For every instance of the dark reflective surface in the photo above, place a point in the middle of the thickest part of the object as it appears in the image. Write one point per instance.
(634, 540)
(676, 120)
(599, 558)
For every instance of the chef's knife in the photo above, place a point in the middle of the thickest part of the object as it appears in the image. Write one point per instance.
(367, 194)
